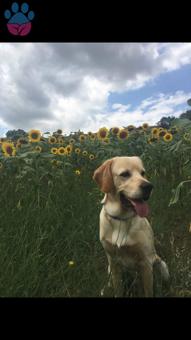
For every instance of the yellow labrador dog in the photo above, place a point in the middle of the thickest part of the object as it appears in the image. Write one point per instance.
(125, 232)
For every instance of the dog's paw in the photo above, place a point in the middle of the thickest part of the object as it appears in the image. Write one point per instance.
(19, 20)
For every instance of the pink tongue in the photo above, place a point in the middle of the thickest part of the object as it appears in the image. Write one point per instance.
(142, 208)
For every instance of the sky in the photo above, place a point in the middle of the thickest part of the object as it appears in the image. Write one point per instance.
(85, 86)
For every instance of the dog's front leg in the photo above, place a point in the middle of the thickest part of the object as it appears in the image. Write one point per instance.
(117, 279)
(147, 279)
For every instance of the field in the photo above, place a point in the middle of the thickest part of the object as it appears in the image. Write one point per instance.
(49, 235)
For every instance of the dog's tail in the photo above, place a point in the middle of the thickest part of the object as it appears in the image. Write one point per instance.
(163, 268)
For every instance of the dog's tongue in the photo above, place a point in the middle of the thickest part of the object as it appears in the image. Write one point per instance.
(141, 207)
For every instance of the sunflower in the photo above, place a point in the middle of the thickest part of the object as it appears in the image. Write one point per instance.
(187, 136)
(54, 151)
(38, 148)
(93, 136)
(122, 134)
(60, 140)
(52, 140)
(22, 140)
(149, 141)
(167, 137)
(34, 136)
(162, 132)
(102, 133)
(69, 148)
(145, 126)
(59, 131)
(1, 165)
(8, 149)
(155, 131)
(82, 138)
(90, 133)
(131, 128)
(54, 162)
(84, 153)
(153, 139)
(115, 130)
(77, 172)
(91, 157)
(77, 150)
(72, 141)
(61, 151)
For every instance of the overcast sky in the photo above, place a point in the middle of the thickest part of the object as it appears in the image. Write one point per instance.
(86, 86)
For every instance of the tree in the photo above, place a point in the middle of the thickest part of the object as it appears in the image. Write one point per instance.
(15, 134)
(165, 122)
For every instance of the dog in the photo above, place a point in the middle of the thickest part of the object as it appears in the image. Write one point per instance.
(125, 232)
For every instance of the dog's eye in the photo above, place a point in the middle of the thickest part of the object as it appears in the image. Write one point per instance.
(142, 173)
(125, 174)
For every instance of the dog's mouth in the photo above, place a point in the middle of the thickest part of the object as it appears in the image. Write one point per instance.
(139, 205)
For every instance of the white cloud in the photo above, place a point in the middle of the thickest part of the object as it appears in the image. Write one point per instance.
(51, 86)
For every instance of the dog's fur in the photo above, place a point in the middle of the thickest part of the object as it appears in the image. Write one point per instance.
(128, 241)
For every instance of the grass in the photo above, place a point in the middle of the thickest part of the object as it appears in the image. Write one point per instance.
(57, 223)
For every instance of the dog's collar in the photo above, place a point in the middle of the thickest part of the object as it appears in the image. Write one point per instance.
(116, 217)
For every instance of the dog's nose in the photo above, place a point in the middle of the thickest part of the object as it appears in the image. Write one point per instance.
(146, 189)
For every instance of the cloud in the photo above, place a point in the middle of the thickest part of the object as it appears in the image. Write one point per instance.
(51, 86)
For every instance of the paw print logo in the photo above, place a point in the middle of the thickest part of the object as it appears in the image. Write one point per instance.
(19, 21)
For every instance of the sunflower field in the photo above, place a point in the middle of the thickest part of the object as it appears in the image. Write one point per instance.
(49, 229)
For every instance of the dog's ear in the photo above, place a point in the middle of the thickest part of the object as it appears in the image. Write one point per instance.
(103, 177)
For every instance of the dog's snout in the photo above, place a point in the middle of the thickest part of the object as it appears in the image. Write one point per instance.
(146, 189)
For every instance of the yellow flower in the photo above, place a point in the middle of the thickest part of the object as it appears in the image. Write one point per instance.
(1, 165)
(8, 149)
(52, 140)
(122, 134)
(82, 138)
(90, 133)
(131, 128)
(38, 148)
(145, 126)
(84, 153)
(69, 148)
(60, 140)
(34, 136)
(71, 263)
(187, 136)
(167, 137)
(77, 172)
(22, 140)
(155, 131)
(72, 141)
(91, 157)
(54, 162)
(162, 132)
(54, 151)
(102, 133)
(61, 150)
(115, 130)
(93, 136)
(77, 150)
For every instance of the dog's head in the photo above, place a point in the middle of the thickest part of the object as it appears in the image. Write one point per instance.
(126, 178)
